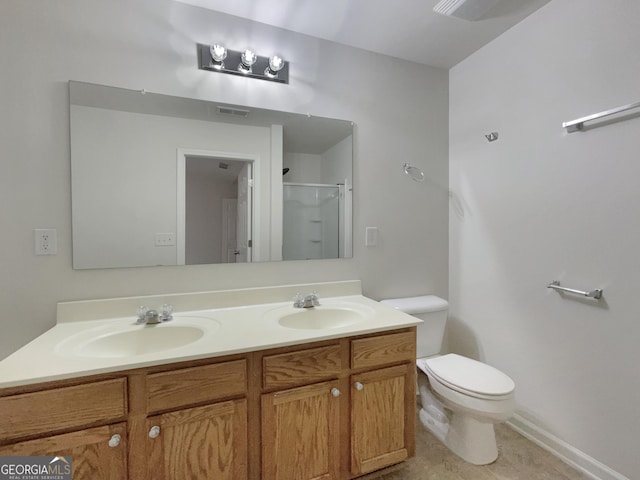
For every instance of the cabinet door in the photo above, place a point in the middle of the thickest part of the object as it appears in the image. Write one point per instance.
(300, 433)
(200, 443)
(96, 453)
(379, 418)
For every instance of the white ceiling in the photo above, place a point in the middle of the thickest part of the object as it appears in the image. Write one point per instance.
(407, 29)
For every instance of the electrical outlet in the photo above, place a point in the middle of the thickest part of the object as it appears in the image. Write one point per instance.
(46, 241)
(165, 239)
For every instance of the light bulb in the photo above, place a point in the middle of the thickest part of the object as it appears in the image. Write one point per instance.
(218, 54)
(276, 63)
(247, 59)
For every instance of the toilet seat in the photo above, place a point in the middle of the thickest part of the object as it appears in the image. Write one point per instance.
(467, 376)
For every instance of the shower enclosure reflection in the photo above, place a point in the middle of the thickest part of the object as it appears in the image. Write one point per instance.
(313, 222)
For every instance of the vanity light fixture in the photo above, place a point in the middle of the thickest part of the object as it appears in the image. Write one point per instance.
(217, 58)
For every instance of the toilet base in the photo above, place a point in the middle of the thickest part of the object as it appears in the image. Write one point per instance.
(439, 429)
(471, 440)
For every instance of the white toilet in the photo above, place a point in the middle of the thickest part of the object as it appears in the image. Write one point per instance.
(461, 398)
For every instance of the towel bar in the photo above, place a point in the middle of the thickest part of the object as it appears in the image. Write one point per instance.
(578, 124)
(597, 293)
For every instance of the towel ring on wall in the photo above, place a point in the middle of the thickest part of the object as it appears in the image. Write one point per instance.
(414, 172)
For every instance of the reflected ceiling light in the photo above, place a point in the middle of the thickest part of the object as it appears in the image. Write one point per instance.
(275, 65)
(247, 63)
(218, 54)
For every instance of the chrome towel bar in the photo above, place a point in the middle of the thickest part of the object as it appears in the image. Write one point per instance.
(597, 293)
(578, 124)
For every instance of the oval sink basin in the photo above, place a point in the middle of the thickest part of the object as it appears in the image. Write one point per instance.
(149, 339)
(321, 317)
(129, 340)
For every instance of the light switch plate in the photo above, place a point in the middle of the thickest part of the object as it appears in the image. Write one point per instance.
(371, 237)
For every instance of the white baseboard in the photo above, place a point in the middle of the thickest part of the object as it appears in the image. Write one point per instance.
(561, 449)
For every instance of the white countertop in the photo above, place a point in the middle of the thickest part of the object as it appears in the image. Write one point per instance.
(231, 330)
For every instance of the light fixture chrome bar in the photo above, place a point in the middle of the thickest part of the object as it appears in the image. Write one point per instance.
(233, 59)
(578, 124)
(597, 293)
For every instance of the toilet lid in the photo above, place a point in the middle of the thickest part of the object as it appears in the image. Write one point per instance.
(463, 373)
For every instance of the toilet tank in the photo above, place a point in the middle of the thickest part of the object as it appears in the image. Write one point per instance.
(432, 311)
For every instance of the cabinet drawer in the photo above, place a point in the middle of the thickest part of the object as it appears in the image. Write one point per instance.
(188, 386)
(62, 408)
(303, 366)
(93, 457)
(383, 349)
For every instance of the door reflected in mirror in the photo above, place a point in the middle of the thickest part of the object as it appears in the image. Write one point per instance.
(217, 203)
(162, 180)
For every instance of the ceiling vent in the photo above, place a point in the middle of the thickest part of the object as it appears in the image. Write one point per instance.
(238, 112)
(470, 10)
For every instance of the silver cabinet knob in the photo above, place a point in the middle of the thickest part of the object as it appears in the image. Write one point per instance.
(358, 386)
(154, 432)
(335, 392)
(114, 441)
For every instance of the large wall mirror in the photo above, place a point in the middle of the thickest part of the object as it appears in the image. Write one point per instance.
(163, 180)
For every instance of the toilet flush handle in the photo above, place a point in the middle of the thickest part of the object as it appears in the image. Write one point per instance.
(358, 386)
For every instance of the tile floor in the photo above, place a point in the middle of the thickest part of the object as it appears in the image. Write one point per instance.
(519, 459)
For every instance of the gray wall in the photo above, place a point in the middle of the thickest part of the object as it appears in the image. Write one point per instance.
(400, 111)
(539, 205)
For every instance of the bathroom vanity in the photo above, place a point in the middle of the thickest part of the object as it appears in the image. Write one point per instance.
(334, 401)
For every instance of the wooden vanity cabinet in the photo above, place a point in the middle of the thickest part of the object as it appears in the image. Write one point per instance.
(199, 443)
(331, 410)
(378, 419)
(320, 428)
(300, 433)
(98, 453)
(195, 421)
(58, 422)
(184, 423)
(382, 401)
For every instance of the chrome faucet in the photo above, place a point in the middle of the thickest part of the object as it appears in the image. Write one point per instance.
(309, 301)
(148, 316)
(151, 317)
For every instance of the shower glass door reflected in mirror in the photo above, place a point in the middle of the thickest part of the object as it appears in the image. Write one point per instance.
(312, 223)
